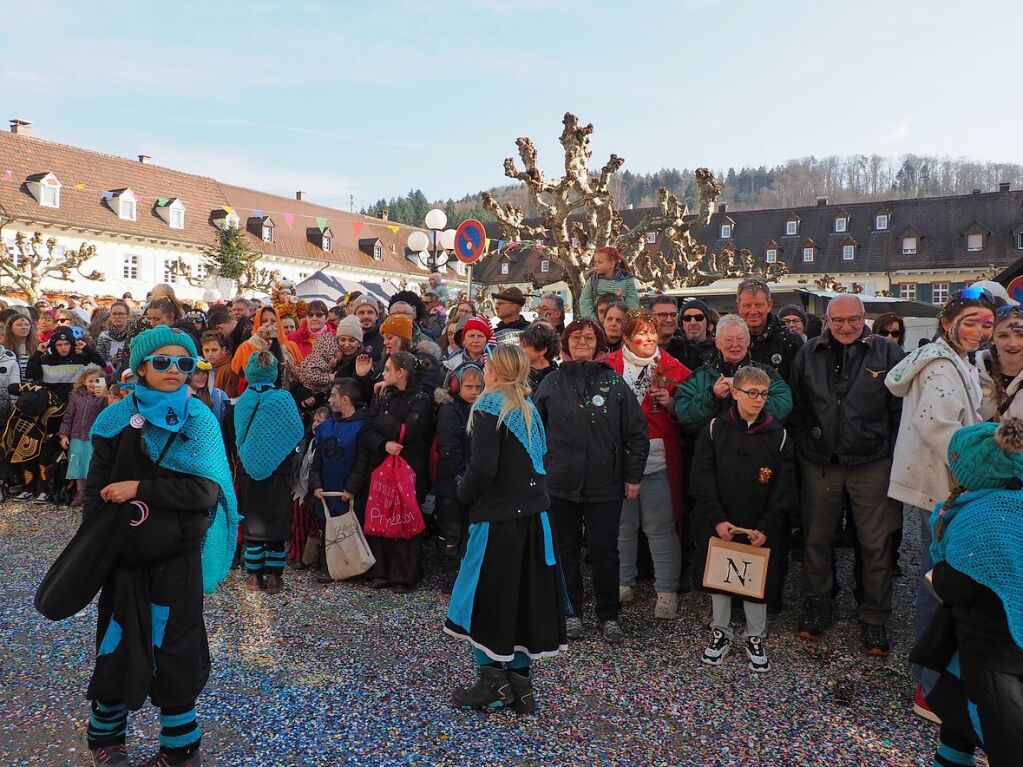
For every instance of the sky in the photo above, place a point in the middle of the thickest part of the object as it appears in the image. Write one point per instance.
(357, 101)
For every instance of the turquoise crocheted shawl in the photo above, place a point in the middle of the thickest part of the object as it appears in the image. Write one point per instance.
(202, 454)
(535, 442)
(267, 428)
(981, 538)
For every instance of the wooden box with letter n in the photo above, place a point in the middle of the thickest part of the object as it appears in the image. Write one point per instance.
(736, 568)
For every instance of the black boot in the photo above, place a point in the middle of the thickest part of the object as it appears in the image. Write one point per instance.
(492, 690)
(322, 571)
(522, 689)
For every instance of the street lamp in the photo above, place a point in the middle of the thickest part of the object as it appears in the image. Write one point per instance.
(418, 241)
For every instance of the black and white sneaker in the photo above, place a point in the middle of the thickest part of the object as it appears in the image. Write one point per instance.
(757, 655)
(573, 627)
(42, 498)
(25, 495)
(718, 648)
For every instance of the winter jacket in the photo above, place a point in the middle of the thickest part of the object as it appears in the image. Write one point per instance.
(392, 409)
(434, 324)
(59, 373)
(991, 406)
(777, 346)
(536, 375)
(624, 288)
(226, 379)
(500, 482)
(10, 373)
(508, 332)
(699, 353)
(743, 474)
(843, 413)
(335, 456)
(373, 342)
(596, 433)
(940, 393)
(80, 415)
(453, 444)
(695, 403)
(305, 340)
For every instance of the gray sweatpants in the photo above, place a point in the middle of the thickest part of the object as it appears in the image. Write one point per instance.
(655, 513)
(721, 616)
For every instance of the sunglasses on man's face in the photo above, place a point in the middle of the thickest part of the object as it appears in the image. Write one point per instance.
(693, 317)
(162, 362)
(893, 333)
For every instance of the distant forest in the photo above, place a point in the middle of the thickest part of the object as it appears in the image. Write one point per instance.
(796, 183)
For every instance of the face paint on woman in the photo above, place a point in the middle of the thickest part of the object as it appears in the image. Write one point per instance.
(972, 329)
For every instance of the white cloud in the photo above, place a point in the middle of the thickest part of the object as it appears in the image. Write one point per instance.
(899, 130)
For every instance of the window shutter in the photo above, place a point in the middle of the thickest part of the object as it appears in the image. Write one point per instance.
(923, 292)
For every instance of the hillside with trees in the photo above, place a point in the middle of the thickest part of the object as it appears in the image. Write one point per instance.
(796, 182)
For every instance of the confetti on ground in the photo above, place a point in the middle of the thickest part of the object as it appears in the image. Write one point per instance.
(343, 675)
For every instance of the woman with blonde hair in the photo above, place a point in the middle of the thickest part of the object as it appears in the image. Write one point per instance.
(507, 598)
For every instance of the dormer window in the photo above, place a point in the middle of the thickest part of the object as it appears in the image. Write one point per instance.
(326, 244)
(225, 219)
(45, 188)
(841, 223)
(1019, 240)
(504, 268)
(177, 219)
(974, 243)
(909, 246)
(651, 238)
(848, 252)
(321, 238)
(459, 267)
(172, 211)
(772, 256)
(267, 233)
(122, 202)
(726, 231)
(791, 227)
(378, 252)
(807, 255)
(545, 266)
(881, 221)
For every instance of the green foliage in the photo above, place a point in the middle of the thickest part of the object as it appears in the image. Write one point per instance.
(231, 256)
(413, 207)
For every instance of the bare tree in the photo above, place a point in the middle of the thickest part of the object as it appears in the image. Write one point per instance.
(231, 258)
(578, 215)
(35, 260)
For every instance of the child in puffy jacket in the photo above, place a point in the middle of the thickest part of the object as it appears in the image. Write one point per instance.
(87, 399)
(610, 275)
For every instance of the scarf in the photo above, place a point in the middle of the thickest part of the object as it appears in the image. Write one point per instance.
(980, 538)
(202, 454)
(168, 410)
(120, 336)
(534, 442)
(638, 371)
(267, 428)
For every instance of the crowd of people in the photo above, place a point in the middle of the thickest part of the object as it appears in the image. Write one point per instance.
(637, 430)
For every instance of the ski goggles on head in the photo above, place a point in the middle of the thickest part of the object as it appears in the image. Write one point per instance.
(972, 293)
(162, 363)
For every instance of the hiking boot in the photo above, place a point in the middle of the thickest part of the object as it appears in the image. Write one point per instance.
(757, 655)
(875, 640)
(667, 606)
(273, 583)
(254, 582)
(921, 707)
(110, 756)
(164, 760)
(612, 632)
(574, 628)
(718, 648)
(625, 595)
(492, 690)
(816, 618)
(522, 689)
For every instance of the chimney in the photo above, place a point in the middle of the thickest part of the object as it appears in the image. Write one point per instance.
(1003, 187)
(145, 159)
(300, 195)
(382, 213)
(822, 200)
(722, 207)
(975, 191)
(21, 127)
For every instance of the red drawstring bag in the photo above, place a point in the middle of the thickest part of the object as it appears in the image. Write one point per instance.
(392, 510)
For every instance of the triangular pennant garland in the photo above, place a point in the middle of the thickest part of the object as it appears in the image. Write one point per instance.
(322, 223)
(289, 219)
(500, 245)
(107, 195)
(394, 227)
(8, 175)
(79, 185)
(486, 244)
(228, 209)
(257, 213)
(162, 201)
(357, 227)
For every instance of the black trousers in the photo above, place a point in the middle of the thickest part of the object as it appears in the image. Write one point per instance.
(999, 700)
(602, 520)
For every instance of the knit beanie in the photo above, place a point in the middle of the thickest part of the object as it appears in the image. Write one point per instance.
(260, 369)
(790, 310)
(350, 326)
(397, 325)
(61, 333)
(364, 301)
(695, 303)
(148, 341)
(473, 323)
(987, 455)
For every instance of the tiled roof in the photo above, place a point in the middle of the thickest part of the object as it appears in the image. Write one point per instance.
(85, 177)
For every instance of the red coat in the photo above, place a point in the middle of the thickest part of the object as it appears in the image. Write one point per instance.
(661, 423)
(305, 340)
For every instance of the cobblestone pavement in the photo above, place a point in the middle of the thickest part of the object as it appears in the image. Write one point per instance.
(342, 675)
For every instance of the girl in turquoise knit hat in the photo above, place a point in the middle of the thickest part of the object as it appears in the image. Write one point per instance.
(976, 638)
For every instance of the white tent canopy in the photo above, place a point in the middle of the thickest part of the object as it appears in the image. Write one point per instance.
(329, 288)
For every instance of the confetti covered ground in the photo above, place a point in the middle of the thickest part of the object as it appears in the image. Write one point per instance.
(342, 675)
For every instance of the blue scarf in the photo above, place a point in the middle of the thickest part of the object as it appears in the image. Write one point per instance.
(535, 442)
(980, 538)
(267, 428)
(168, 410)
(201, 455)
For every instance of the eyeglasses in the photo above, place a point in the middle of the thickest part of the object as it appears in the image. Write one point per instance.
(666, 315)
(753, 394)
(583, 338)
(839, 321)
(162, 362)
(893, 333)
(317, 314)
(693, 317)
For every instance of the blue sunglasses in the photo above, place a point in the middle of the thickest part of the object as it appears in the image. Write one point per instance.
(162, 363)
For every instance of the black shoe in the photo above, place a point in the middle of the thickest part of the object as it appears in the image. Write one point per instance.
(522, 689)
(875, 640)
(492, 690)
(110, 756)
(816, 618)
(773, 608)
(323, 575)
(573, 627)
(379, 583)
(612, 632)
(401, 588)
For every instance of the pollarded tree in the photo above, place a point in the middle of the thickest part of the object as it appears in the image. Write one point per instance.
(35, 261)
(580, 207)
(231, 258)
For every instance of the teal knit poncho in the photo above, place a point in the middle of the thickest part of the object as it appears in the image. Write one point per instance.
(267, 423)
(534, 441)
(201, 454)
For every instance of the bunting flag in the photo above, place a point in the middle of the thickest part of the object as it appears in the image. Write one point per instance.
(140, 198)
(161, 201)
(228, 209)
(322, 223)
(357, 227)
(289, 219)
(8, 175)
(107, 195)
(486, 244)
(394, 228)
(500, 245)
(79, 185)
(257, 213)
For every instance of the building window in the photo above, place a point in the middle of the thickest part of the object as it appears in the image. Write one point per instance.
(807, 255)
(177, 218)
(378, 252)
(170, 274)
(305, 275)
(848, 252)
(791, 227)
(49, 196)
(545, 266)
(201, 271)
(504, 268)
(974, 242)
(126, 210)
(840, 223)
(459, 267)
(651, 238)
(326, 244)
(130, 267)
(881, 222)
(772, 255)
(268, 233)
(1019, 240)
(907, 291)
(726, 231)
(939, 293)
(908, 246)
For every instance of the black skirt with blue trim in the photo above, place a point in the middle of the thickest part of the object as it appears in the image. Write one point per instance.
(509, 594)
